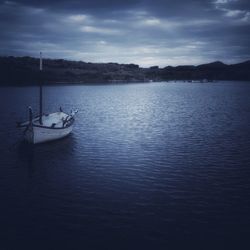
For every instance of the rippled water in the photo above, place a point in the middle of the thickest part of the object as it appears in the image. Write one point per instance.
(147, 166)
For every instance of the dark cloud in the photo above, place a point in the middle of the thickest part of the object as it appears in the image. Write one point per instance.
(140, 31)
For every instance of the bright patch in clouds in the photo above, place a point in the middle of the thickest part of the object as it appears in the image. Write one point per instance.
(99, 30)
(78, 18)
(152, 22)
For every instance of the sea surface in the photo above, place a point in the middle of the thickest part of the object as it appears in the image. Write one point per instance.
(148, 166)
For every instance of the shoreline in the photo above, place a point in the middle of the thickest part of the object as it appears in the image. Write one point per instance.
(118, 84)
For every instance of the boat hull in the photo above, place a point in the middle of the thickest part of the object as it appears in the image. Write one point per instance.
(51, 127)
(36, 135)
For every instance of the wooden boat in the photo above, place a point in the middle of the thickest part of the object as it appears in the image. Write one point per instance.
(47, 127)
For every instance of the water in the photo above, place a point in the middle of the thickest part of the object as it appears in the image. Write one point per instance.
(148, 166)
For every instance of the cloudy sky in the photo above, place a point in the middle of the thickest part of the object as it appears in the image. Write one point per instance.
(145, 32)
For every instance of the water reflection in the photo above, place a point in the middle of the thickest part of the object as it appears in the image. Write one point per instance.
(33, 156)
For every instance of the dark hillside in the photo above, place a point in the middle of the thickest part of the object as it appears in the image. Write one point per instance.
(25, 71)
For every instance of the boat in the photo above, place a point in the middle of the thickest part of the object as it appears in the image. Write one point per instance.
(46, 127)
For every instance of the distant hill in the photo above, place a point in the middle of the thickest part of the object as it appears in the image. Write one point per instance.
(25, 71)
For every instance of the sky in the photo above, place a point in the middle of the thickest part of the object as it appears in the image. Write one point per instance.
(144, 32)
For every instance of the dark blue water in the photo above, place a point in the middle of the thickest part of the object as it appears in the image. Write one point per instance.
(148, 166)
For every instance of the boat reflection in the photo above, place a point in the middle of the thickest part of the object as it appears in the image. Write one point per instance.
(32, 156)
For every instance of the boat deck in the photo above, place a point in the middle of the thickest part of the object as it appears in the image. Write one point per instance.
(55, 119)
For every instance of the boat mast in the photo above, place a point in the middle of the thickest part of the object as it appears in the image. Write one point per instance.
(41, 90)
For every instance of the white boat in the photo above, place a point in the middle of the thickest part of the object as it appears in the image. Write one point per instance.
(47, 127)
(54, 126)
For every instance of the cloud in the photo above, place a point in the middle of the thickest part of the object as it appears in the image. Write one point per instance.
(234, 13)
(217, 2)
(145, 32)
(233, 9)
